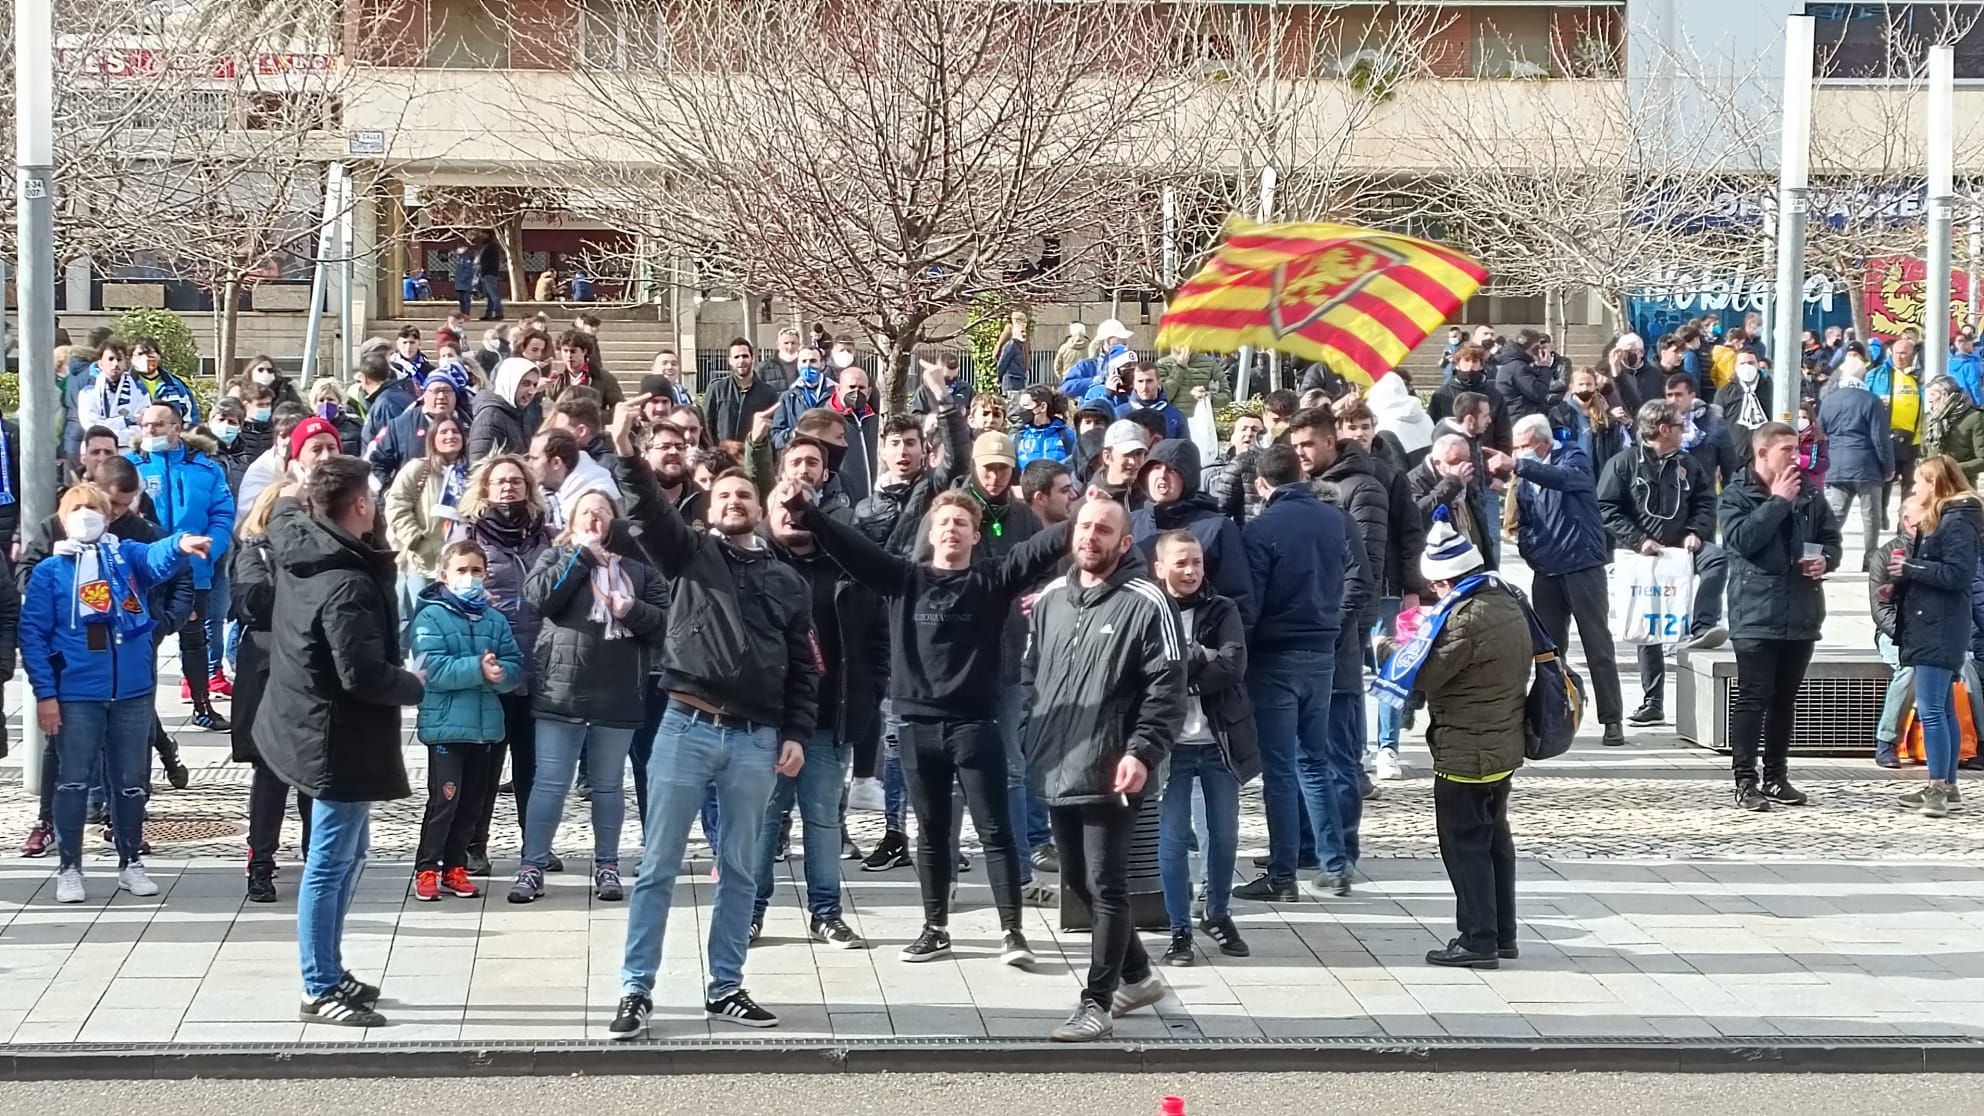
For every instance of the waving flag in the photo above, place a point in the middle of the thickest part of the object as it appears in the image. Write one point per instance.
(1356, 299)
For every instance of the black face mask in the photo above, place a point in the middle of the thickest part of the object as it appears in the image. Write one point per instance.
(835, 455)
(854, 400)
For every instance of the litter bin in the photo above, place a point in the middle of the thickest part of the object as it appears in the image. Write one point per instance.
(1145, 888)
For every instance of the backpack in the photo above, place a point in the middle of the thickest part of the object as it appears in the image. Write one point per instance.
(1555, 705)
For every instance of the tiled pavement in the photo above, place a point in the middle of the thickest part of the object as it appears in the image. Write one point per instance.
(1650, 909)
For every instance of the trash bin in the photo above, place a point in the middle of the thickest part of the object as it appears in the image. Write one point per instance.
(1145, 888)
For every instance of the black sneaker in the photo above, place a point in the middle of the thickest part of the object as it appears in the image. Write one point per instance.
(477, 864)
(553, 863)
(206, 720)
(1748, 797)
(848, 849)
(757, 928)
(1226, 936)
(1180, 954)
(892, 853)
(338, 1009)
(1648, 714)
(834, 931)
(261, 884)
(1265, 890)
(175, 771)
(739, 1008)
(630, 1019)
(1455, 957)
(1508, 952)
(358, 990)
(1045, 858)
(1014, 951)
(1784, 794)
(1615, 736)
(934, 944)
(1309, 865)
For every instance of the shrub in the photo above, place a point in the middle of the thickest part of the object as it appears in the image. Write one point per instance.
(175, 340)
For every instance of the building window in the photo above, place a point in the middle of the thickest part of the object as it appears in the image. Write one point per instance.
(622, 35)
(1890, 42)
(468, 34)
(1511, 43)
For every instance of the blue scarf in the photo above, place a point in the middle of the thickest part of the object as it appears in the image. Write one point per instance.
(6, 468)
(469, 605)
(1393, 685)
(454, 483)
(105, 591)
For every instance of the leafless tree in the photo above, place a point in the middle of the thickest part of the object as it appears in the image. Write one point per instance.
(888, 168)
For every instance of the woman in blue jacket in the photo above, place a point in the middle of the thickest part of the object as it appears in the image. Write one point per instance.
(1045, 434)
(86, 643)
(1932, 594)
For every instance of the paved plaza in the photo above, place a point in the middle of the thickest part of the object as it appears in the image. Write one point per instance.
(1651, 909)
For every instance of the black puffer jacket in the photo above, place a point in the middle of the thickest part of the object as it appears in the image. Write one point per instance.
(513, 551)
(1769, 595)
(1523, 382)
(1933, 588)
(1216, 677)
(498, 427)
(329, 724)
(252, 604)
(577, 674)
(740, 629)
(1227, 571)
(1105, 677)
(1356, 483)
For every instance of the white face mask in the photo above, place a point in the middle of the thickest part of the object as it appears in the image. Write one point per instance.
(1746, 373)
(265, 376)
(84, 525)
(141, 362)
(843, 359)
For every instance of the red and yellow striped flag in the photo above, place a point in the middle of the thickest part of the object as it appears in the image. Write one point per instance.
(1356, 299)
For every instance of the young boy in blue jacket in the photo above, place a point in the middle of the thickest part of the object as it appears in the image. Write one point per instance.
(470, 656)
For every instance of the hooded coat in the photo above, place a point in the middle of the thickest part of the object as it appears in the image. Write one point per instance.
(1227, 572)
(499, 425)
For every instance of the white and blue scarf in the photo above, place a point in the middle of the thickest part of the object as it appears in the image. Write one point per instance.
(1397, 675)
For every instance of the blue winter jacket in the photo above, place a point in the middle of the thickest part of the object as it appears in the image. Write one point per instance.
(1088, 372)
(1298, 551)
(1559, 530)
(1175, 423)
(70, 660)
(189, 493)
(459, 706)
(1053, 442)
(174, 393)
(1855, 421)
(1967, 369)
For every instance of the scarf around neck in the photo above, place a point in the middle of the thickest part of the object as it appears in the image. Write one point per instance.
(609, 578)
(1397, 676)
(105, 591)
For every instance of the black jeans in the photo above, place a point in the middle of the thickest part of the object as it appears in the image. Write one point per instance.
(1582, 595)
(1094, 842)
(459, 778)
(1473, 823)
(268, 796)
(193, 649)
(1768, 674)
(520, 732)
(935, 754)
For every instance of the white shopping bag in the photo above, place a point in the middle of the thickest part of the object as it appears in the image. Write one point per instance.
(1205, 430)
(1653, 597)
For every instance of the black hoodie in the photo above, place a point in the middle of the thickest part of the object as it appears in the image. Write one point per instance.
(330, 721)
(1227, 571)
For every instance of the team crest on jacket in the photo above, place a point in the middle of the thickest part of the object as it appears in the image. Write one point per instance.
(95, 596)
(1312, 285)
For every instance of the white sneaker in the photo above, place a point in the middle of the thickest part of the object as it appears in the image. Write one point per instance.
(134, 880)
(1389, 767)
(69, 886)
(865, 795)
(1371, 759)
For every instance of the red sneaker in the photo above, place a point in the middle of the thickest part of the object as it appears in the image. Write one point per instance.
(185, 689)
(456, 882)
(218, 686)
(40, 839)
(427, 885)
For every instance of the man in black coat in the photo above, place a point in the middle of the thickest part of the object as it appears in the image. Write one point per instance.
(1523, 379)
(330, 721)
(1470, 376)
(1655, 496)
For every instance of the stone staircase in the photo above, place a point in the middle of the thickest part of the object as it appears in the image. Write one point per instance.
(627, 346)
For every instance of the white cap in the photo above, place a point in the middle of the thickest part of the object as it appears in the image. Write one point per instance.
(1111, 329)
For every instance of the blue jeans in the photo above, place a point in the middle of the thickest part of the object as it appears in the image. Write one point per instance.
(558, 746)
(493, 301)
(340, 833)
(895, 788)
(1337, 780)
(1291, 692)
(1491, 506)
(409, 587)
(218, 599)
(642, 749)
(1941, 737)
(1012, 706)
(689, 756)
(111, 739)
(1201, 763)
(816, 790)
(1389, 720)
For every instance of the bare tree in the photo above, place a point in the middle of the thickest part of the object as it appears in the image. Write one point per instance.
(889, 169)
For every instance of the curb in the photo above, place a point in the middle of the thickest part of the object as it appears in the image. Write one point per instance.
(1773, 1054)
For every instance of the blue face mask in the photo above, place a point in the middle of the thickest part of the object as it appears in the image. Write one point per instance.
(227, 432)
(809, 375)
(468, 588)
(259, 414)
(157, 443)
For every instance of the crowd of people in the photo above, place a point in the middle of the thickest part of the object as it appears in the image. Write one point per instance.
(1045, 605)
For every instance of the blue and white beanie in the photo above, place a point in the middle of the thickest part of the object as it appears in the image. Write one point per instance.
(1449, 554)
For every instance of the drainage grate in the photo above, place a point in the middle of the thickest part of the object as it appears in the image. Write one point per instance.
(175, 831)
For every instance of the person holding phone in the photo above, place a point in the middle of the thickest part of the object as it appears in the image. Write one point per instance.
(1782, 540)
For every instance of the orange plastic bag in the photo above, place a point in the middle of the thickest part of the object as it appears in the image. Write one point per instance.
(1909, 750)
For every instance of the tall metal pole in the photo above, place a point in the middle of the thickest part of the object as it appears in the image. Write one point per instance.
(313, 327)
(1168, 253)
(1793, 199)
(34, 160)
(1971, 312)
(1942, 211)
(1240, 384)
(347, 268)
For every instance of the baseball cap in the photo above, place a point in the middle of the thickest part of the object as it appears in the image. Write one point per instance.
(1111, 328)
(994, 448)
(306, 430)
(1124, 434)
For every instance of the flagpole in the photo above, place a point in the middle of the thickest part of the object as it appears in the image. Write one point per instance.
(1246, 374)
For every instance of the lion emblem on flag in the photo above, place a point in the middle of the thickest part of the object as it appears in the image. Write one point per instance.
(1310, 286)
